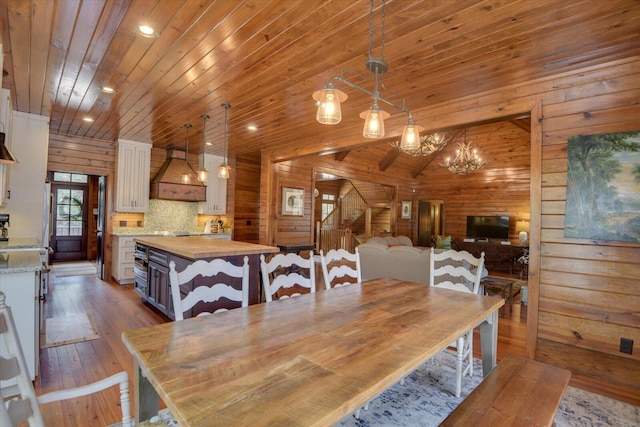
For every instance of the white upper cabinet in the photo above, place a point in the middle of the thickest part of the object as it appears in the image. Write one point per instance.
(216, 203)
(132, 176)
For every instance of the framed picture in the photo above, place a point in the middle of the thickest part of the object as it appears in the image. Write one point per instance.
(406, 210)
(292, 201)
(603, 178)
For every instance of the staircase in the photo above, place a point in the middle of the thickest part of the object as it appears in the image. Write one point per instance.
(360, 205)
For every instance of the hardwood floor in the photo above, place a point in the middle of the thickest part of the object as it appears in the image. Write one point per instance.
(118, 308)
(114, 309)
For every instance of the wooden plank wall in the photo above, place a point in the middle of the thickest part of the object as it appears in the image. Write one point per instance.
(246, 202)
(501, 187)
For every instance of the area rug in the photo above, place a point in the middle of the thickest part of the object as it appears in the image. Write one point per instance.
(80, 268)
(68, 330)
(427, 398)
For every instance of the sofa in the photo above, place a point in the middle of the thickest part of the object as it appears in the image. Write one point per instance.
(396, 258)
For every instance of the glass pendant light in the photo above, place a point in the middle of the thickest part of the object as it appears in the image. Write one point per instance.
(202, 173)
(224, 169)
(186, 176)
(374, 119)
(411, 136)
(328, 100)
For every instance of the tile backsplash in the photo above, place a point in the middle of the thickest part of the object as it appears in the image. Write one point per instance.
(163, 215)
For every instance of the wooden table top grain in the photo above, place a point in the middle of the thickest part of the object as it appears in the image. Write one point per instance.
(308, 360)
(201, 247)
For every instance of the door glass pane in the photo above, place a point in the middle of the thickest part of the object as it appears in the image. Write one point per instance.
(69, 212)
(62, 228)
(75, 228)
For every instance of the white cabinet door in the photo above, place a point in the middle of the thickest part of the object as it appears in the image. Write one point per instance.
(123, 259)
(216, 203)
(21, 294)
(6, 120)
(132, 176)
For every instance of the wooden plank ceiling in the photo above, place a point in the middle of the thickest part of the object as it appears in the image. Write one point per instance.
(266, 58)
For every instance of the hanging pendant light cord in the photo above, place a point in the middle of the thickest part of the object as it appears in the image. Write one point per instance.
(226, 127)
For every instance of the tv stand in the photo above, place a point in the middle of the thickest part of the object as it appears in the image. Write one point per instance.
(497, 256)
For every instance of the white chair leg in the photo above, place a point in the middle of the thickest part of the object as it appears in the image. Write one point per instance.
(470, 357)
(357, 414)
(459, 359)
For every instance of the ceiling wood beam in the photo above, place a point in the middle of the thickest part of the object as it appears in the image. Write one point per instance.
(388, 159)
(524, 124)
(340, 156)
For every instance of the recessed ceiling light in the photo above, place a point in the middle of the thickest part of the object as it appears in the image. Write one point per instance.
(107, 89)
(146, 31)
(88, 119)
(252, 128)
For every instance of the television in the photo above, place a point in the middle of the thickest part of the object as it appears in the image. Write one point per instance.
(490, 227)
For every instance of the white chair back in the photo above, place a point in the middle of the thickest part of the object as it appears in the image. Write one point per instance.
(24, 407)
(204, 293)
(457, 270)
(286, 271)
(340, 267)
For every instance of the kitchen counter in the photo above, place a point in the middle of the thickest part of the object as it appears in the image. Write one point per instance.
(20, 244)
(201, 247)
(20, 261)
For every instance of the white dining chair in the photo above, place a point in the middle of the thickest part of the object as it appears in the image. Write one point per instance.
(462, 272)
(220, 269)
(340, 267)
(287, 275)
(23, 408)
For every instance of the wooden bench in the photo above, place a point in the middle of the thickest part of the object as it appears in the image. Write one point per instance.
(518, 392)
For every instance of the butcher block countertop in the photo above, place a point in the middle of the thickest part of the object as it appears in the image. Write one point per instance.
(199, 247)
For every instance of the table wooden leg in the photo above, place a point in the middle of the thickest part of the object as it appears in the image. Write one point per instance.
(489, 343)
(146, 398)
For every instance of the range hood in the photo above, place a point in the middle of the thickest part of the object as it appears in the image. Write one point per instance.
(168, 185)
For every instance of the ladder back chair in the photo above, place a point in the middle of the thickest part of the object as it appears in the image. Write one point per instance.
(462, 272)
(340, 267)
(207, 294)
(24, 408)
(290, 272)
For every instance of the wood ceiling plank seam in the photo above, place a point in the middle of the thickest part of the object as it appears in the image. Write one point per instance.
(161, 15)
(19, 33)
(83, 30)
(42, 10)
(160, 75)
(89, 81)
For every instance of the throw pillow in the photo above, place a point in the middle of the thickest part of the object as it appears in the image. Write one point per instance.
(443, 242)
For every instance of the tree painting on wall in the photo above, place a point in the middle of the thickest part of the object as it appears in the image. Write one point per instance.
(603, 187)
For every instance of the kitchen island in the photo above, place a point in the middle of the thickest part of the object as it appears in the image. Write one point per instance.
(153, 255)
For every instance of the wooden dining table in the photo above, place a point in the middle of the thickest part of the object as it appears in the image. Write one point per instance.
(308, 360)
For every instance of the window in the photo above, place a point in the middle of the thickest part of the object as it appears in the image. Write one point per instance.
(328, 205)
(70, 177)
